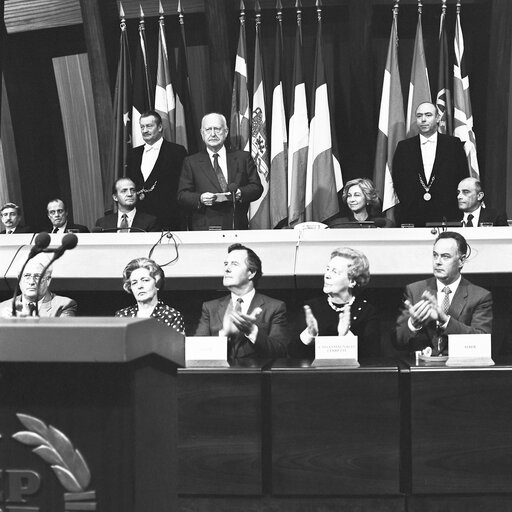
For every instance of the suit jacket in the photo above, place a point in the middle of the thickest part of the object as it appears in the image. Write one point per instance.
(198, 176)
(141, 221)
(161, 201)
(51, 306)
(450, 167)
(19, 229)
(470, 313)
(490, 215)
(272, 338)
(78, 227)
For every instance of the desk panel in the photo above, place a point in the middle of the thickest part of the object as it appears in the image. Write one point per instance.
(335, 431)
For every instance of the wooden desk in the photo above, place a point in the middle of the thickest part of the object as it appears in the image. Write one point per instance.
(335, 431)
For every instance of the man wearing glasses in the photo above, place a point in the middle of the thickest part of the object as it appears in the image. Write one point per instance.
(217, 185)
(48, 304)
(58, 215)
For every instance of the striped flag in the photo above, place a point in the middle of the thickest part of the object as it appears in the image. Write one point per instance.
(391, 124)
(298, 135)
(323, 174)
(142, 87)
(259, 210)
(463, 117)
(419, 86)
(185, 131)
(240, 126)
(122, 111)
(165, 103)
(278, 138)
(444, 95)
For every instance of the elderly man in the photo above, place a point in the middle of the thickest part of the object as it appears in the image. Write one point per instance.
(210, 178)
(48, 304)
(470, 197)
(10, 215)
(58, 215)
(256, 325)
(128, 218)
(426, 171)
(155, 169)
(445, 304)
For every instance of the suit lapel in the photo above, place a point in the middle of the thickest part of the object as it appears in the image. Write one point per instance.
(459, 299)
(221, 311)
(232, 166)
(257, 301)
(419, 158)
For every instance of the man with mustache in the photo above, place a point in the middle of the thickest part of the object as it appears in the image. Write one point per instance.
(209, 180)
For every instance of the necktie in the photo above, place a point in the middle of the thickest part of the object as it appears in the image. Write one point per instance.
(10, 231)
(218, 171)
(55, 230)
(31, 308)
(124, 228)
(446, 299)
(238, 305)
(469, 222)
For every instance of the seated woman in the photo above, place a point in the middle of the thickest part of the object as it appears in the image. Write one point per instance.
(341, 309)
(143, 278)
(363, 202)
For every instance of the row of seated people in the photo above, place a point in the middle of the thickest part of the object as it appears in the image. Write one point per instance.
(256, 325)
(359, 195)
(213, 188)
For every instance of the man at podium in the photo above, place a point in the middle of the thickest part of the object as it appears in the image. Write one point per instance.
(48, 304)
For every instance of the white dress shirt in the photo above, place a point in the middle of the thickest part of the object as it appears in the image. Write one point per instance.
(222, 160)
(475, 219)
(149, 157)
(129, 217)
(428, 147)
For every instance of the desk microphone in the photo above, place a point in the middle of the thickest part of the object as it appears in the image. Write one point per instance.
(233, 187)
(98, 229)
(41, 242)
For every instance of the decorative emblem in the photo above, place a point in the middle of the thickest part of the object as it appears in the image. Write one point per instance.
(67, 463)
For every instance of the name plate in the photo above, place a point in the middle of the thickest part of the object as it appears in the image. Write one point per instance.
(340, 349)
(469, 349)
(206, 349)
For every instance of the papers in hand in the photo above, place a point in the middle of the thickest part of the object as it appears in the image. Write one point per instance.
(222, 197)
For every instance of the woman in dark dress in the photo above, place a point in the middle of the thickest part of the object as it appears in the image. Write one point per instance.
(143, 278)
(342, 310)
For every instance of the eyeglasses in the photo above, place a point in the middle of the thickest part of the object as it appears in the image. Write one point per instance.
(33, 277)
(56, 212)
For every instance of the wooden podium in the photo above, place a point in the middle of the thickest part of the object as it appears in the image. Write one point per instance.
(88, 414)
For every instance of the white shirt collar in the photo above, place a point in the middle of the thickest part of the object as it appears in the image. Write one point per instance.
(129, 216)
(157, 145)
(432, 138)
(221, 153)
(247, 299)
(453, 287)
(476, 216)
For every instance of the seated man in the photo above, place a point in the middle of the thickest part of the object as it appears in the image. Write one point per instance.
(10, 214)
(470, 197)
(127, 218)
(48, 303)
(58, 215)
(256, 325)
(445, 304)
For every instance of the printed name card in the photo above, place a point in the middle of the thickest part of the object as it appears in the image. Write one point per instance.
(336, 348)
(206, 348)
(468, 348)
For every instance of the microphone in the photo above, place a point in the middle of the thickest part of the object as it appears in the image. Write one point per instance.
(69, 241)
(233, 187)
(98, 229)
(41, 242)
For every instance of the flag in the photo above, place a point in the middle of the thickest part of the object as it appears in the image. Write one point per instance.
(165, 103)
(278, 188)
(463, 117)
(444, 95)
(323, 174)
(142, 87)
(298, 137)
(419, 86)
(259, 210)
(122, 109)
(391, 124)
(185, 132)
(240, 128)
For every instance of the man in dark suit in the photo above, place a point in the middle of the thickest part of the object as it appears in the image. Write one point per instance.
(216, 185)
(446, 304)
(128, 218)
(155, 170)
(10, 215)
(426, 171)
(58, 215)
(256, 325)
(470, 197)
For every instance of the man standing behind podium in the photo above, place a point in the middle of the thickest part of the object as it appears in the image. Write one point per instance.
(445, 304)
(256, 325)
(209, 178)
(155, 169)
(128, 218)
